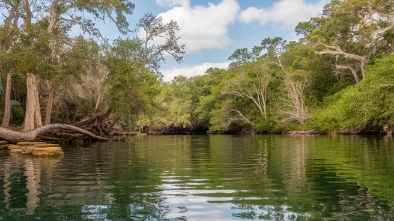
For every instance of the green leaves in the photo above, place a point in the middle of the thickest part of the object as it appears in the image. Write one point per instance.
(366, 107)
(160, 39)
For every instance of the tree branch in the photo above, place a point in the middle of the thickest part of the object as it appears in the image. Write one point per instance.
(14, 136)
(336, 50)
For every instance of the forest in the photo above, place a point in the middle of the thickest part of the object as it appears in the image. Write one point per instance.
(338, 77)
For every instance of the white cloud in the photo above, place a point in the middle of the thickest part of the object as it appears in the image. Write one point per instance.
(173, 3)
(191, 71)
(202, 27)
(285, 13)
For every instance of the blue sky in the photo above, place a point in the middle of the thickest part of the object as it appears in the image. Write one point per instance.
(213, 29)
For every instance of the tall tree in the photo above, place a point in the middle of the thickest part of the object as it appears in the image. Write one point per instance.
(134, 64)
(57, 18)
(8, 33)
(159, 39)
(295, 108)
(352, 31)
(250, 83)
(114, 10)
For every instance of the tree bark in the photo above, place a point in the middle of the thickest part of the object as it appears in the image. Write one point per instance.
(7, 104)
(16, 136)
(13, 14)
(54, 17)
(50, 102)
(28, 13)
(37, 106)
(28, 123)
(98, 101)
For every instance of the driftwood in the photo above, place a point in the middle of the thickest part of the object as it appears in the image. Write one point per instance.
(15, 136)
(98, 123)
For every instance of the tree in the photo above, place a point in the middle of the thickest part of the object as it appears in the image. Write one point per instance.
(295, 108)
(269, 49)
(56, 18)
(80, 79)
(8, 33)
(160, 39)
(130, 85)
(250, 83)
(208, 91)
(134, 67)
(175, 102)
(33, 52)
(114, 10)
(279, 54)
(352, 31)
(241, 56)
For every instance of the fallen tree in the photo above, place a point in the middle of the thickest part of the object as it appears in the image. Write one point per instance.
(16, 136)
(98, 123)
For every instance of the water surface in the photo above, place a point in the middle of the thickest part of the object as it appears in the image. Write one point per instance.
(262, 177)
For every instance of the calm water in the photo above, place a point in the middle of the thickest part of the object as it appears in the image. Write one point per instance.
(267, 177)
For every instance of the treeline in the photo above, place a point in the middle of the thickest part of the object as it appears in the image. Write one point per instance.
(338, 77)
(256, 98)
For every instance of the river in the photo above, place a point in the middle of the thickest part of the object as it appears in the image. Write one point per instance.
(214, 177)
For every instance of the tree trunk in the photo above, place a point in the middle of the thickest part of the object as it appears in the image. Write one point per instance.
(7, 104)
(16, 136)
(28, 13)
(97, 102)
(37, 106)
(296, 108)
(28, 123)
(50, 102)
(54, 17)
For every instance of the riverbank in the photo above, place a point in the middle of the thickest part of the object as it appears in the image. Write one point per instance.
(292, 132)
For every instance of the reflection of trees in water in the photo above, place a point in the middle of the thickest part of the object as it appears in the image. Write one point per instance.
(151, 207)
(340, 199)
(103, 183)
(295, 185)
(21, 182)
(32, 174)
(270, 178)
(270, 212)
(131, 180)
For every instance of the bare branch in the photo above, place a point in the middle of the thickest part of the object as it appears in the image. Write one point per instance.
(337, 51)
(239, 117)
(353, 70)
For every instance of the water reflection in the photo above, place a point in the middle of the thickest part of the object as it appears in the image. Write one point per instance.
(206, 178)
(21, 177)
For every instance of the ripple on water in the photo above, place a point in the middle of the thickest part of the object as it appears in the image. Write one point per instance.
(204, 178)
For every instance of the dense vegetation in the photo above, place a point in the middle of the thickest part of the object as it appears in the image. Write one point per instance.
(338, 77)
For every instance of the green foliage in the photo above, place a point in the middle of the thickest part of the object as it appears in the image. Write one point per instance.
(266, 126)
(18, 114)
(365, 107)
(175, 102)
(153, 53)
(273, 87)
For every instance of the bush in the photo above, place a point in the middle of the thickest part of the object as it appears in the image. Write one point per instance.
(265, 126)
(365, 107)
(18, 114)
